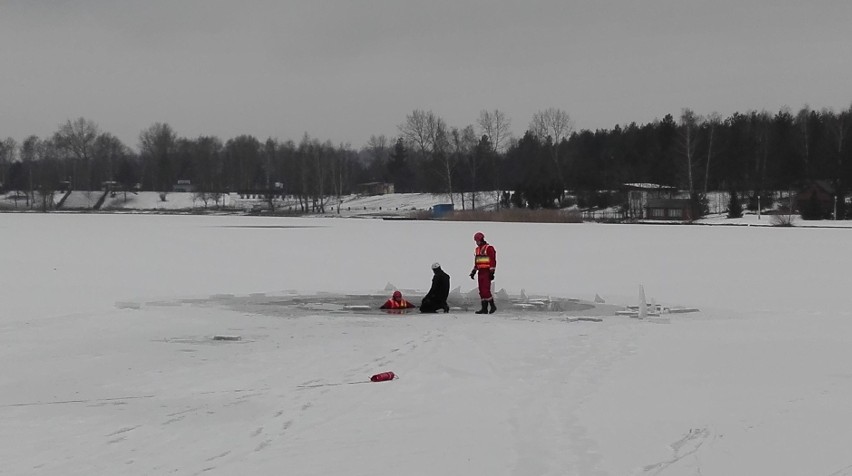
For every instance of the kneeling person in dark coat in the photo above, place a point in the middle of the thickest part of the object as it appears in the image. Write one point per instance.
(436, 298)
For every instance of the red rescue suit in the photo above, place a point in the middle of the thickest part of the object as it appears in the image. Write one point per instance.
(484, 264)
(396, 304)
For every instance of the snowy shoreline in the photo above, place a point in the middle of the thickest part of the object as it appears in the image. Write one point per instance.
(390, 207)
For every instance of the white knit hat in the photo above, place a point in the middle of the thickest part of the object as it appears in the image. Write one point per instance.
(436, 265)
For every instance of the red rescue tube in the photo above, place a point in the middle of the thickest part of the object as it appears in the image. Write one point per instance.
(383, 377)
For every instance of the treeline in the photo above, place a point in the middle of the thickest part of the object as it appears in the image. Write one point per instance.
(747, 152)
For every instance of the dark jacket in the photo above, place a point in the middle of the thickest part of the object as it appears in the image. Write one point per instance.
(436, 298)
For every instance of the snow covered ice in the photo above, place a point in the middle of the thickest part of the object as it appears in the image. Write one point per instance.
(109, 362)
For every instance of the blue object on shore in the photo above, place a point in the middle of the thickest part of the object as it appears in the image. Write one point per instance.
(441, 209)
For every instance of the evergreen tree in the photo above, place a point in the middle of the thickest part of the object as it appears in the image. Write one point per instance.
(127, 176)
(812, 209)
(698, 205)
(735, 207)
(841, 206)
(399, 168)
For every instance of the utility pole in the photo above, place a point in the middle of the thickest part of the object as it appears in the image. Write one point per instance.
(758, 207)
(835, 207)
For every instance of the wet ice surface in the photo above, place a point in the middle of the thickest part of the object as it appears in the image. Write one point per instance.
(289, 305)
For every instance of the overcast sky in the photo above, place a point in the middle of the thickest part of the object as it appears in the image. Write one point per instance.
(343, 70)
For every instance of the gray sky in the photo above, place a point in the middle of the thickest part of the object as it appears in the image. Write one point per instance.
(344, 70)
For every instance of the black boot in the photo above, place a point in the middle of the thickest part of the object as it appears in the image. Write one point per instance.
(446, 308)
(493, 307)
(484, 309)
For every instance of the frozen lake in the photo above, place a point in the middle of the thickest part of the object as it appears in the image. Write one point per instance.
(109, 365)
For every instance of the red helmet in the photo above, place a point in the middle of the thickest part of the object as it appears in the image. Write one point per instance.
(479, 236)
(397, 295)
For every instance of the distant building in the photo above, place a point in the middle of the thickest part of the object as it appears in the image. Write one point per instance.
(668, 209)
(638, 195)
(183, 186)
(260, 194)
(817, 193)
(375, 188)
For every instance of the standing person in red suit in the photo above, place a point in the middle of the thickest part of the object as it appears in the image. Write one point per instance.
(484, 265)
(396, 304)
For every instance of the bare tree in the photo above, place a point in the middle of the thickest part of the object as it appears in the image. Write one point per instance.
(30, 150)
(341, 159)
(244, 162)
(315, 174)
(157, 146)
(428, 135)
(8, 150)
(761, 125)
(802, 122)
(688, 140)
(323, 169)
(47, 172)
(444, 159)
(378, 147)
(127, 176)
(496, 126)
(422, 130)
(839, 126)
(555, 125)
(301, 187)
(376, 155)
(208, 152)
(77, 139)
(713, 121)
(463, 142)
(270, 148)
(107, 153)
